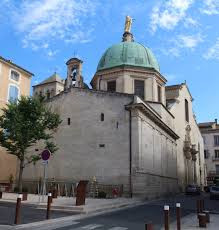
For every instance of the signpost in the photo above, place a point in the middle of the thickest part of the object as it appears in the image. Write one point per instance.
(45, 155)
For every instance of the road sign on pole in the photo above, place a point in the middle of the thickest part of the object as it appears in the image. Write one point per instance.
(45, 155)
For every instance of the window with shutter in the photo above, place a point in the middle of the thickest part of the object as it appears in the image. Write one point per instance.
(13, 93)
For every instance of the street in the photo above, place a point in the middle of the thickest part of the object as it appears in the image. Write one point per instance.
(128, 218)
(135, 218)
(29, 214)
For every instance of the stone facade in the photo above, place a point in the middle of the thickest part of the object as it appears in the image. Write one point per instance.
(50, 87)
(190, 147)
(8, 163)
(210, 134)
(122, 131)
(90, 147)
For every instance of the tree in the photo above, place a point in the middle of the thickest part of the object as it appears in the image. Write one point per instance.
(24, 123)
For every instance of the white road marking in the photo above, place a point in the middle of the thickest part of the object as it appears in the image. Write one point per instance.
(89, 227)
(118, 228)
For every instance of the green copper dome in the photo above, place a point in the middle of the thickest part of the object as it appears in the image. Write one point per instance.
(128, 53)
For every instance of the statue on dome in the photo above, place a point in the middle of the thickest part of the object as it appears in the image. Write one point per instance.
(128, 24)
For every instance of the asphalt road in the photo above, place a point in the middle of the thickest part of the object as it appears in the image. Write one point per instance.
(29, 214)
(135, 218)
(130, 218)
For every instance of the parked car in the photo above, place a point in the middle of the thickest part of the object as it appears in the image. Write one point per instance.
(214, 192)
(193, 189)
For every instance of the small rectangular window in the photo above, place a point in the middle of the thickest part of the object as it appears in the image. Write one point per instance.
(216, 152)
(217, 169)
(216, 140)
(159, 93)
(111, 86)
(139, 88)
(15, 75)
(102, 117)
(186, 110)
(206, 154)
(102, 146)
(69, 121)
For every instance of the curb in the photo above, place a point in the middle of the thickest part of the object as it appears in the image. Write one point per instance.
(70, 220)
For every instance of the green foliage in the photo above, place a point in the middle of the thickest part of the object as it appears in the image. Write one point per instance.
(24, 123)
(101, 194)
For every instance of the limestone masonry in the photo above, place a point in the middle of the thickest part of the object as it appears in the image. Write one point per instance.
(129, 129)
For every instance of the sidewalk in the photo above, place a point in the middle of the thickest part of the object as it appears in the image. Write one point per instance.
(190, 222)
(68, 203)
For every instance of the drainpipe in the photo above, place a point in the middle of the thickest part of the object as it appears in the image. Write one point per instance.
(130, 153)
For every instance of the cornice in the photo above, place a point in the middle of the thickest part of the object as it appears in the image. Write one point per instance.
(154, 116)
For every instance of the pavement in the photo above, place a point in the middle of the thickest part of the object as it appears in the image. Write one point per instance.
(67, 204)
(190, 222)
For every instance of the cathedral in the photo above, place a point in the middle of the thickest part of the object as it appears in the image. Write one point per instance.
(128, 129)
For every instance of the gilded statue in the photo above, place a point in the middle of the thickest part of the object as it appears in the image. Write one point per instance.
(128, 24)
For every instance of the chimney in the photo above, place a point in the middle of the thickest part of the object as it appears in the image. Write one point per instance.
(215, 121)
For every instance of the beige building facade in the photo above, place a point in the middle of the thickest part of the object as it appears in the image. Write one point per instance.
(50, 87)
(210, 134)
(122, 131)
(190, 146)
(14, 82)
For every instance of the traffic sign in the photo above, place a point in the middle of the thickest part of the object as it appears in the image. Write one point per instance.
(45, 155)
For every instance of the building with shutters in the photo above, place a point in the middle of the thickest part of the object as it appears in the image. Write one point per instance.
(129, 129)
(210, 134)
(14, 82)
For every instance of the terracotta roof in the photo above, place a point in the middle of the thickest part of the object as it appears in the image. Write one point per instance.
(15, 65)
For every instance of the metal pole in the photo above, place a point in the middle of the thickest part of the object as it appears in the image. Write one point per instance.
(49, 206)
(201, 205)
(148, 226)
(178, 215)
(17, 219)
(166, 217)
(198, 207)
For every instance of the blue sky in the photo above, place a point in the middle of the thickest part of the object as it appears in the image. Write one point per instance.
(41, 35)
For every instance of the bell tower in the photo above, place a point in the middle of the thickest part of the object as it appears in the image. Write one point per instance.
(74, 76)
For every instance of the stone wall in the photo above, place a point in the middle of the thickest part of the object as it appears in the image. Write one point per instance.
(89, 147)
(185, 167)
(154, 158)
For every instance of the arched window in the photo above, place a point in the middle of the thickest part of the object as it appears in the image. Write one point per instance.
(13, 93)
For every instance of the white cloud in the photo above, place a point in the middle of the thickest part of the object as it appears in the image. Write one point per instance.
(188, 22)
(210, 7)
(168, 14)
(189, 41)
(181, 42)
(45, 20)
(52, 53)
(213, 52)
